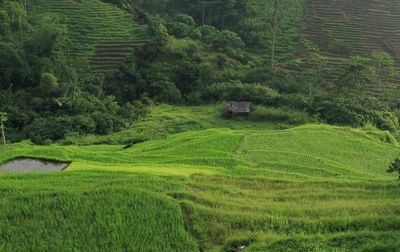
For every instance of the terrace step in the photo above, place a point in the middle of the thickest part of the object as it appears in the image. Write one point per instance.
(363, 25)
(99, 31)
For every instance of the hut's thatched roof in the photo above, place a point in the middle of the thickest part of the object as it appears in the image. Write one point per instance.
(240, 107)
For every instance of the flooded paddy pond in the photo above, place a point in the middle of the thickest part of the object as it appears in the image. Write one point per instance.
(32, 165)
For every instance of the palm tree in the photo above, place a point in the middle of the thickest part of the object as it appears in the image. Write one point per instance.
(3, 119)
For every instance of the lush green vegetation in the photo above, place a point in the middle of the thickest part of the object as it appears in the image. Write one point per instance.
(61, 77)
(129, 93)
(317, 187)
(165, 120)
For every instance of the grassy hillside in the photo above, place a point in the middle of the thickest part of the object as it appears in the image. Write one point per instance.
(311, 187)
(170, 119)
(99, 31)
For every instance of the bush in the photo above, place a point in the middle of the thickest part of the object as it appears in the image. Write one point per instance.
(84, 124)
(165, 91)
(105, 123)
(285, 115)
(135, 110)
(347, 112)
(183, 26)
(48, 82)
(395, 167)
(340, 112)
(384, 120)
(237, 91)
(225, 40)
(41, 130)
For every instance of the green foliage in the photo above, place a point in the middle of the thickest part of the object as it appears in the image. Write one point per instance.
(225, 40)
(3, 117)
(13, 17)
(350, 102)
(164, 120)
(160, 33)
(165, 91)
(350, 112)
(359, 73)
(82, 115)
(13, 69)
(237, 91)
(230, 13)
(281, 114)
(183, 26)
(48, 82)
(395, 167)
(194, 45)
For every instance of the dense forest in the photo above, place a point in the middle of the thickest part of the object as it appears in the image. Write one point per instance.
(196, 52)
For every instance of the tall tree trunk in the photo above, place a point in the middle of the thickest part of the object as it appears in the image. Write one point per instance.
(203, 14)
(274, 20)
(223, 18)
(2, 133)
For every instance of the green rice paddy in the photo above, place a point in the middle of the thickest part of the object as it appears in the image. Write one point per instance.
(99, 32)
(309, 188)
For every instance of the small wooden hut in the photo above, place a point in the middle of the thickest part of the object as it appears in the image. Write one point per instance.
(237, 109)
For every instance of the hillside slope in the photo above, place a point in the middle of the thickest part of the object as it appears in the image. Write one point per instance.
(305, 151)
(98, 31)
(357, 27)
(311, 187)
(361, 26)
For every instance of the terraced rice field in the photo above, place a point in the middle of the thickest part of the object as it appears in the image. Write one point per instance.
(363, 25)
(99, 31)
(310, 188)
(357, 27)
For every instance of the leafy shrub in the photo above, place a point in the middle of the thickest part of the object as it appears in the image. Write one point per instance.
(251, 35)
(43, 129)
(185, 19)
(347, 112)
(135, 110)
(208, 33)
(394, 167)
(183, 26)
(281, 114)
(237, 91)
(165, 91)
(85, 115)
(48, 82)
(105, 123)
(384, 120)
(339, 112)
(225, 40)
(84, 124)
